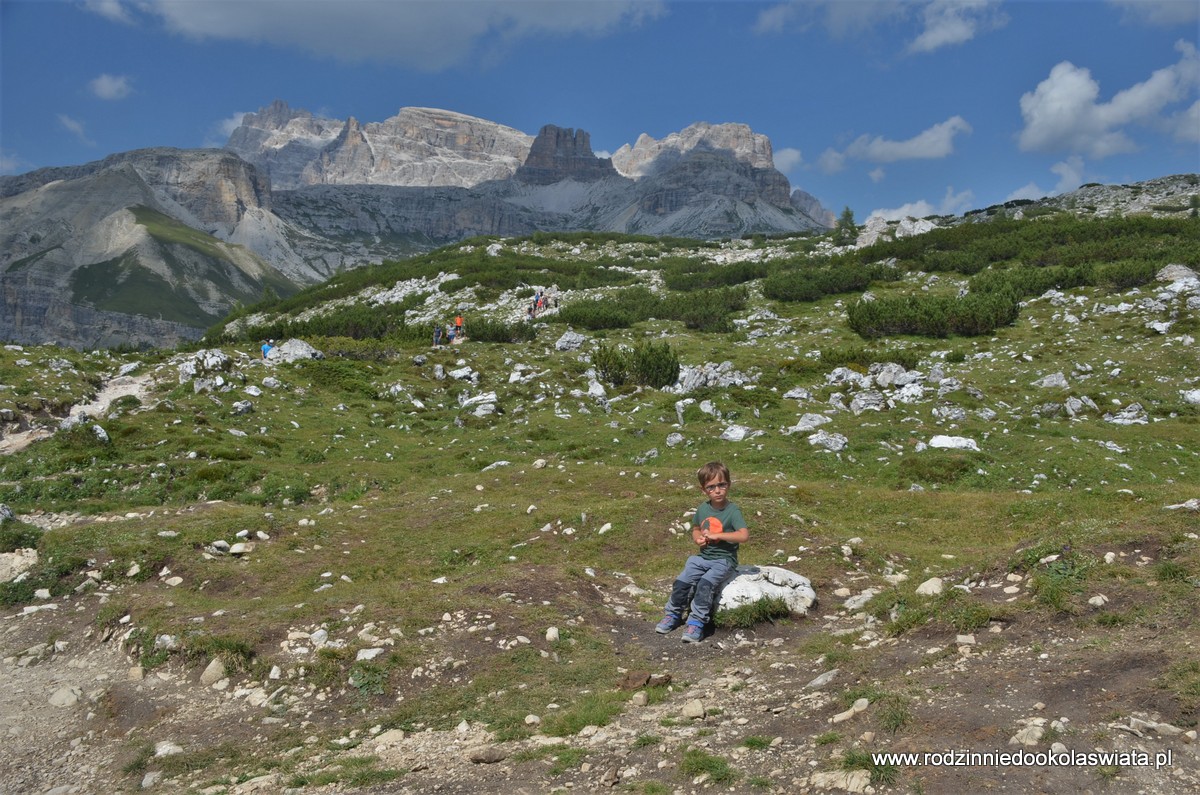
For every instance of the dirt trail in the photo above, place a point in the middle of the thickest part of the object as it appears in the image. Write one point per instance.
(114, 389)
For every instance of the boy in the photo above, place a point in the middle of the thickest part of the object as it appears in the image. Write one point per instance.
(717, 528)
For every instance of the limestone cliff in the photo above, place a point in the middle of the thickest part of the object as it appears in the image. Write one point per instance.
(559, 154)
(418, 147)
(648, 156)
(133, 242)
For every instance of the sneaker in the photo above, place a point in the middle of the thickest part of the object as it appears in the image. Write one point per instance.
(693, 633)
(668, 623)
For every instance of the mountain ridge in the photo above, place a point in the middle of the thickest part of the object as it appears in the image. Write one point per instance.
(462, 177)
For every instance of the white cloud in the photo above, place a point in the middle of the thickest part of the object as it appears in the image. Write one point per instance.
(110, 9)
(1185, 126)
(1027, 191)
(831, 161)
(932, 144)
(1063, 113)
(788, 159)
(1159, 12)
(75, 128)
(877, 174)
(950, 22)
(1071, 174)
(12, 164)
(219, 131)
(952, 204)
(111, 86)
(426, 35)
(938, 23)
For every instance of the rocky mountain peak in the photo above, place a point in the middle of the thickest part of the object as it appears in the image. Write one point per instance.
(560, 153)
(648, 156)
(418, 147)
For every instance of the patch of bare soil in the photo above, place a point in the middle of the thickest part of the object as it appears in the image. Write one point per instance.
(113, 390)
(755, 708)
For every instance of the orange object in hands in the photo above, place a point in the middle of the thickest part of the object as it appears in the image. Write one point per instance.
(711, 526)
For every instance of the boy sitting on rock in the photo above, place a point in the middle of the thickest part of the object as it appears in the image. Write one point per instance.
(718, 527)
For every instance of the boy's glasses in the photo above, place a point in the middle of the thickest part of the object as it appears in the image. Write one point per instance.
(710, 488)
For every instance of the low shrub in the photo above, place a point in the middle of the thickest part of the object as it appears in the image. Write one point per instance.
(934, 316)
(595, 315)
(812, 284)
(483, 330)
(646, 363)
(340, 375)
(706, 310)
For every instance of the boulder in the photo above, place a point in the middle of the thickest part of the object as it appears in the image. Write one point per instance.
(719, 376)
(753, 583)
(954, 443)
(808, 422)
(868, 400)
(1052, 381)
(204, 363)
(570, 341)
(830, 441)
(294, 351)
(14, 564)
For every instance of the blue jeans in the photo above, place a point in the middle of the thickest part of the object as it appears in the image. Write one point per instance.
(705, 578)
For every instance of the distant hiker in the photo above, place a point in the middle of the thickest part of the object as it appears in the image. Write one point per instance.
(458, 327)
(267, 347)
(450, 335)
(437, 335)
(717, 528)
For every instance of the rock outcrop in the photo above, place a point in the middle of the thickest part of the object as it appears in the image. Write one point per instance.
(131, 249)
(559, 154)
(648, 156)
(418, 147)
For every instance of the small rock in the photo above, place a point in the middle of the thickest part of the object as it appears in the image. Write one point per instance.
(487, 754)
(931, 587)
(213, 673)
(65, 697)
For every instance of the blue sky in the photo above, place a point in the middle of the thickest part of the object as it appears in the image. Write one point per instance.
(884, 106)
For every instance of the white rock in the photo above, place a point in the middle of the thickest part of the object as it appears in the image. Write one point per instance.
(931, 587)
(848, 781)
(1053, 381)
(213, 673)
(1030, 735)
(14, 564)
(65, 697)
(167, 748)
(753, 583)
(954, 443)
(833, 442)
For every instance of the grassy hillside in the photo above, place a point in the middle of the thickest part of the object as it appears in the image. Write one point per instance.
(379, 497)
(205, 274)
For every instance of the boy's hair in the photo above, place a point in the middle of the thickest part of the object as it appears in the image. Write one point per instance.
(712, 469)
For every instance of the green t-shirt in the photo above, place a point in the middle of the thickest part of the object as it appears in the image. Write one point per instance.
(731, 520)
